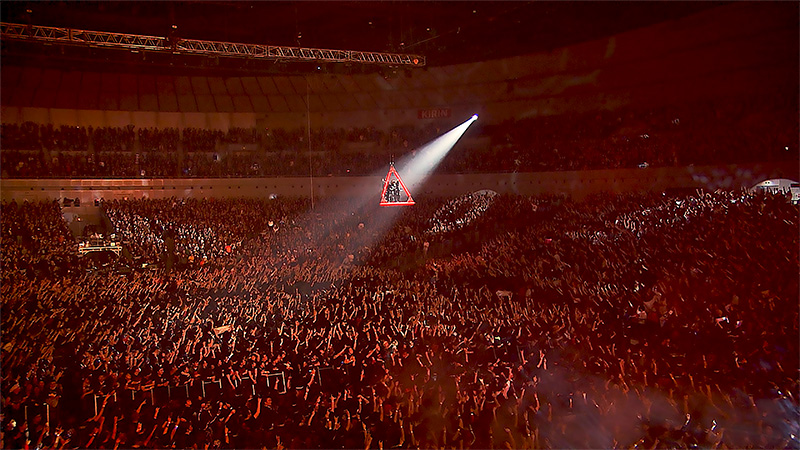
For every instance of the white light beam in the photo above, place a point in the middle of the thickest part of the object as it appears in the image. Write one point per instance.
(414, 170)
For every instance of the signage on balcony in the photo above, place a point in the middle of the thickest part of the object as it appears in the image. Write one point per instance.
(433, 113)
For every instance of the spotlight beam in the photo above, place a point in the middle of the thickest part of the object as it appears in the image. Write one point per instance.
(415, 170)
(363, 205)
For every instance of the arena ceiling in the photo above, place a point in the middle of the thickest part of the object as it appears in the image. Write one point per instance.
(445, 32)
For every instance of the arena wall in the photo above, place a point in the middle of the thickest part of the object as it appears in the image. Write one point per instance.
(576, 184)
(720, 52)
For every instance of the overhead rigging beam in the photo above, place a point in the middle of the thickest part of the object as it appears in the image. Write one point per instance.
(72, 36)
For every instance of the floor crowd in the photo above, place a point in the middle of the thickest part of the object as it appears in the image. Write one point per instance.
(487, 321)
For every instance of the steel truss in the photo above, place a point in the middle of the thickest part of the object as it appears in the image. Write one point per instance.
(71, 36)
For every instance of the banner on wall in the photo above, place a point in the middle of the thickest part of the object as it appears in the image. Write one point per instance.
(433, 113)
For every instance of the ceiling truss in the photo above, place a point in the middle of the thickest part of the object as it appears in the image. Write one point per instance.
(135, 42)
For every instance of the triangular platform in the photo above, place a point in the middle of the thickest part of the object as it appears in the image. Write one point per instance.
(391, 195)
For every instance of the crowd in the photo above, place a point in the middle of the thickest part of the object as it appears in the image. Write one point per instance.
(622, 321)
(720, 132)
(202, 229)
(35, 240)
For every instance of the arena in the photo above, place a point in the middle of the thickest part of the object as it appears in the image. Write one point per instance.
(586, 263)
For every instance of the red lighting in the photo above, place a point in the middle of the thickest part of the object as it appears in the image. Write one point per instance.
(384, 201)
